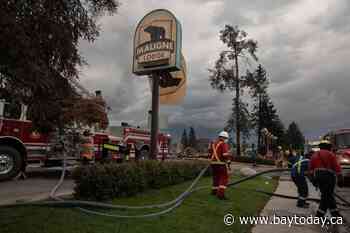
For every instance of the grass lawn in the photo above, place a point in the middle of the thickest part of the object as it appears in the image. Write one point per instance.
(200, 213)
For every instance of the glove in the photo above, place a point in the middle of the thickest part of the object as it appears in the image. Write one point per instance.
(340, 180)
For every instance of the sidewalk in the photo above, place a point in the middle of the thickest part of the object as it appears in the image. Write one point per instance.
(32, 189)
(287, 207)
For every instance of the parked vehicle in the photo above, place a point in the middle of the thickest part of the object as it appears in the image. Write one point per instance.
(140, 140)
(340, 140)
(21, 145)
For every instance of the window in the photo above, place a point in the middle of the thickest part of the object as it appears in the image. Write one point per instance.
(343, 140)
(12, 110)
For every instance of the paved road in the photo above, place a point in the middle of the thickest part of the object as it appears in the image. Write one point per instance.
(37, 186)
(287, 207)
(345, 193)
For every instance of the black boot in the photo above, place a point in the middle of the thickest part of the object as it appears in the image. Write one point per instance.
(302, 204)
(336, 213)
(319, 214)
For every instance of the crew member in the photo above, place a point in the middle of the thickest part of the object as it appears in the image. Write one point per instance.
(298, 172)
(279, 157)
(87, 147)
(219, 155)
(291, 158)
(325, 169)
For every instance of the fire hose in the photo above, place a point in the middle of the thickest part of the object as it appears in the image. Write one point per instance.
(82, 205)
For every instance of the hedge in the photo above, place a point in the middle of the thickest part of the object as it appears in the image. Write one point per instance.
(107, 181)
(243, 159)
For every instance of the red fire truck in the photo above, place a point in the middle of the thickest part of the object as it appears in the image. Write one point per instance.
(340, 140)
(21, 145)
(140, 140)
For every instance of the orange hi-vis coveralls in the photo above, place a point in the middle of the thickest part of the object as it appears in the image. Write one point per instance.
(87, 148)
(218, 152)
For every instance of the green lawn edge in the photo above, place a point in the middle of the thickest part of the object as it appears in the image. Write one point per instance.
(200, 212)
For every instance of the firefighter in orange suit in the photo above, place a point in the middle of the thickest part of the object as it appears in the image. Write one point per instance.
(87, 147)
(219, 155)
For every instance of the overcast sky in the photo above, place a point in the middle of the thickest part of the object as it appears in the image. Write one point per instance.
(303, 44)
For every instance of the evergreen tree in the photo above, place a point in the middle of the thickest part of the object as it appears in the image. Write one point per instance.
(244, 123)
(257, 83)
(264, 113)
(192, 140)
(184, 139)
(295, 137)
(279, 131)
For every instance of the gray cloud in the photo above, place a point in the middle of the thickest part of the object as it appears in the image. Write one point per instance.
(302, 44)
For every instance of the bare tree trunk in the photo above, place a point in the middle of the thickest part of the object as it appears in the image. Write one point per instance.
(238, 130)
(259, 123)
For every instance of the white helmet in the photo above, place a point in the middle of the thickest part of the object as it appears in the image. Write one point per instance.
(223, 134)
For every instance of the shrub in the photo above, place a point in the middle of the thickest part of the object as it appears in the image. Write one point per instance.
(107, 181)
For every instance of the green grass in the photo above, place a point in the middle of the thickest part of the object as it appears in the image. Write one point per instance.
(200, 213)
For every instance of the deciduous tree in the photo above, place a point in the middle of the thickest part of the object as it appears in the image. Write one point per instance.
(39, 51)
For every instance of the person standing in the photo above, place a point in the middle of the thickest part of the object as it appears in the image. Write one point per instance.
(219, 155)
(298, 172)
(325, 170)
(279, 157)
(87, 147)
(291, 158)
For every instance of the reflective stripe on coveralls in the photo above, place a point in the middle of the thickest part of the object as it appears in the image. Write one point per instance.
(298, 177)
(87, 149)
(220, 176)
(215, 154)
(299, 163)
(219, 183)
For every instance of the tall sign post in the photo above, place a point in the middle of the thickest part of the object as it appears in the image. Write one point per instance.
(157, 52)
(155, 116)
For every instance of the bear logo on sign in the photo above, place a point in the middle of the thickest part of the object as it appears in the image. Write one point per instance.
(157, 33)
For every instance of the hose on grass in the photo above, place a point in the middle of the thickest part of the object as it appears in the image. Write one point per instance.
(59, 202)
(175, 203)
(62, 203)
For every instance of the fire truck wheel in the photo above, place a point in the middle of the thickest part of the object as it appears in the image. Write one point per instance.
(10, 162)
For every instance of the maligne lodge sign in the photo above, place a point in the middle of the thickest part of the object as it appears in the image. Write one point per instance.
(157, 43)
